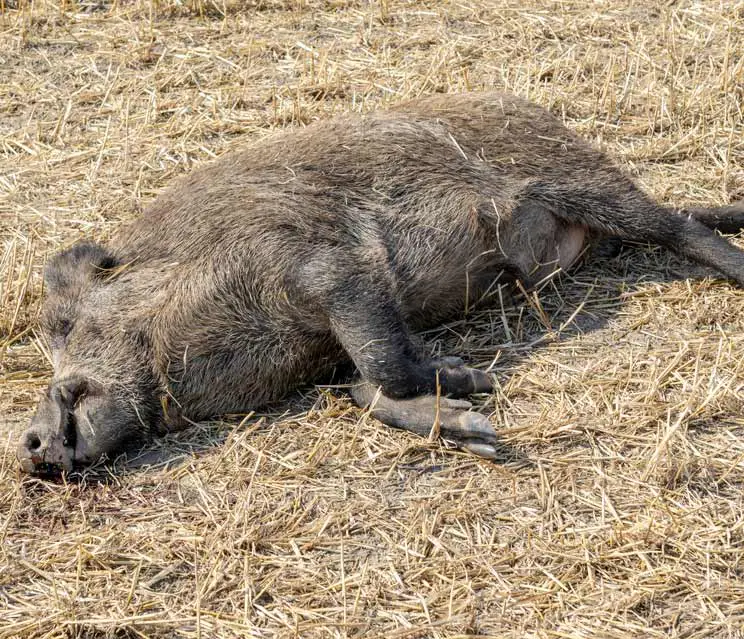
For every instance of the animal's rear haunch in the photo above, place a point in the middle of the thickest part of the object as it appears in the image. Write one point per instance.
(261, 271)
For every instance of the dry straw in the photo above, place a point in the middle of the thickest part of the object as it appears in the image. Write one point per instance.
(617, 509)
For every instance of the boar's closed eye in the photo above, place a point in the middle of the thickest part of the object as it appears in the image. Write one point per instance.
(56, 319)
(62, 327)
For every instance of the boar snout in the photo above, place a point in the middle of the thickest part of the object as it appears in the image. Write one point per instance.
(42, 453)
(79, 421)
(48, 446)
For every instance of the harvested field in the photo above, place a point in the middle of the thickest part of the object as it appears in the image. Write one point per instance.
(617, 509)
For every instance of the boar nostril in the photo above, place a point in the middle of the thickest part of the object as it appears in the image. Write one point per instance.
(33, 442)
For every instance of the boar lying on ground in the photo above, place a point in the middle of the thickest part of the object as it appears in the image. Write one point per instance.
(270, 266)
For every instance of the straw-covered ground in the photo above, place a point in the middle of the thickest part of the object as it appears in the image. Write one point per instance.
(617, 508)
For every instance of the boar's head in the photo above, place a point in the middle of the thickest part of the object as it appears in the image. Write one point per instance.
(103, 397)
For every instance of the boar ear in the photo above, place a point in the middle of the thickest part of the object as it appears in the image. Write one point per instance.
(76, 265)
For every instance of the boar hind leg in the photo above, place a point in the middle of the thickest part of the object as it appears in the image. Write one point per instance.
(622, 211)
(426, 414)
(690, 237)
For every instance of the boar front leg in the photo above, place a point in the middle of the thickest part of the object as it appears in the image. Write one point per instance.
(427, 414)
(396, 382)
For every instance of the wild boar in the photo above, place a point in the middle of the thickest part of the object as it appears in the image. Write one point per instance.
(268, 267)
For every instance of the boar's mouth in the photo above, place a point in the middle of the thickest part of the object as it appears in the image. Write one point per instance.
(54, 470)
(47, 470)
(76, 424)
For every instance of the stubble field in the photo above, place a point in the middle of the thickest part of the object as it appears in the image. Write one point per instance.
(617, 508)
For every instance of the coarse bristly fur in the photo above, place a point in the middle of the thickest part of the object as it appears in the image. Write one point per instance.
(275, 263)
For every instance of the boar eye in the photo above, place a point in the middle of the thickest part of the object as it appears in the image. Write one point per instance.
(57, 330)
(63, 327)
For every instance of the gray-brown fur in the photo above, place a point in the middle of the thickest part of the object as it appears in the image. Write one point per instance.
(268, 267)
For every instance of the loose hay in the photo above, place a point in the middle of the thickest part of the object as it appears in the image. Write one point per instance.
(617, 511)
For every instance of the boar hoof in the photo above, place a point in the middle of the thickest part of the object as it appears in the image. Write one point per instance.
(459, 380)
(427, 415)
